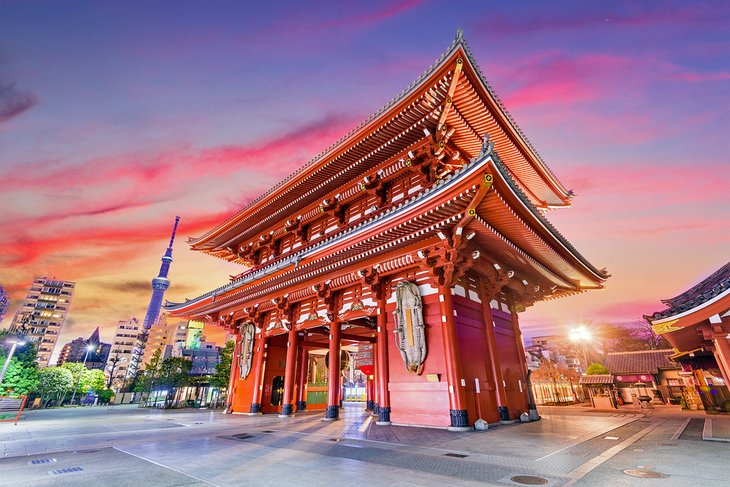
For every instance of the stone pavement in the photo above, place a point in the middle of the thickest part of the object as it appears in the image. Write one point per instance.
(570, 446)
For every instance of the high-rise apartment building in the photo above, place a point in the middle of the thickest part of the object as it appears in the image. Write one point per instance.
(43, 313)
(126, 352)
(90, 351)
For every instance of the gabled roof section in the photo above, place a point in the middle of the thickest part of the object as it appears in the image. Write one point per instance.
(393, 128)
(707, 289)
(641, 362)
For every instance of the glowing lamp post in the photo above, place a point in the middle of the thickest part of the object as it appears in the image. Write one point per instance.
(15, 343)
(581, 335)
(89, 348)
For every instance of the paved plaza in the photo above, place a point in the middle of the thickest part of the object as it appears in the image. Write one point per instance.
(127, 445)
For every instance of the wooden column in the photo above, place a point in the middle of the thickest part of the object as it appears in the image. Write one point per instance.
(452, 359)
(520, 349)
(303, 372)
(287, 403)
(722, 356)
(234, 374)
(496, 366)
(382, 368)
(376, 381)
(258, 374)
(333, 373)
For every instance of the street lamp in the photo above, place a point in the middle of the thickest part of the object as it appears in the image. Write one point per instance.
(581, 335)
(89, 348)
(15, 342)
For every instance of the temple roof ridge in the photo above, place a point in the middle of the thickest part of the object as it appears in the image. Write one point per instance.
(457, 42)
(715, 284)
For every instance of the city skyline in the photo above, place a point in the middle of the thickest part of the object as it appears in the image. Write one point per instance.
(196, 112)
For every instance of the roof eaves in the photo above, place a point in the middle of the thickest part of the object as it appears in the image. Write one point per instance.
(507, 176)
(564, 193)
(457, 42)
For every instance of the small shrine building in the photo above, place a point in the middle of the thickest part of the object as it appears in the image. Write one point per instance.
(697, 324)
(418, 237)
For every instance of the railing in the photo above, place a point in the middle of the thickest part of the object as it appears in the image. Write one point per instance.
(11, 407)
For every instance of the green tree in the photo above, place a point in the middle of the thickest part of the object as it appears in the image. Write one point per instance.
(105, 395)
(596, 369)
(92, 380)
(146, 380)
(22, 375)
(223, 370)
(77, 370)
(174, 373)
(54, 383)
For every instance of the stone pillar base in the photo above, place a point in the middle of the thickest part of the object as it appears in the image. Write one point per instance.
(255, 408)
(331, 413)
(301, 406)
(369, 406)
(286, 411)
(459, 420)
(383, 416)
(376, 409)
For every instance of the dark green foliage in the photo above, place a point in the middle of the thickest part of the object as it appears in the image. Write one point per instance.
(223, 369)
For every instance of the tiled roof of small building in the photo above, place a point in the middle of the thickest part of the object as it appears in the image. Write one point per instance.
(716, 284)
(596, 379)
(641, 362)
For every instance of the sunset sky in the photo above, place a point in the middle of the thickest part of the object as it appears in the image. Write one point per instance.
(117, 116)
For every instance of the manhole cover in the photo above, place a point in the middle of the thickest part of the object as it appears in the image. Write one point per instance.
(455, 455)
(644, 473)
(242, 436)
(529, 480)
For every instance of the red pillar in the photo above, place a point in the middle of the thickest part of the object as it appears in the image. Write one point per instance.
(292, 345)
(234, 374)
(454, 375)
(258, 374)
(333, 374)
(376, 390)
(496, 366)
(303, 370)
(521, 351)
(369, 393)
(382, 368)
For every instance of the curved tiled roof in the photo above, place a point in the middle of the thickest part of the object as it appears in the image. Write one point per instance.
(708, 288)
(504, 171)
(641, 362)
(458, 42)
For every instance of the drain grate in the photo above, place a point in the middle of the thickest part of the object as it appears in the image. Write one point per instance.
(61, 471)
(268, 431)
(455, 455)
(644, 473)
(42, 461)
(528, 480)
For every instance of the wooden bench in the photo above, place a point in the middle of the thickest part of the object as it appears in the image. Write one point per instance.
(11, 407)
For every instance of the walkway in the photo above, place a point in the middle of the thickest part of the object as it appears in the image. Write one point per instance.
(127, 445)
